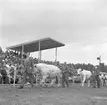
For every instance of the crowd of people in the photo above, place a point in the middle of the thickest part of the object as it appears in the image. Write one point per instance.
(10, 60)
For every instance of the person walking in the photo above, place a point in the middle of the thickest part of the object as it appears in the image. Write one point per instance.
(27, 71)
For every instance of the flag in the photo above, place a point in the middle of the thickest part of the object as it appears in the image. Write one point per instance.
(99, 58)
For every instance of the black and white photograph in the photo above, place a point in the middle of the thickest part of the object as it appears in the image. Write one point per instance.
(53, 52)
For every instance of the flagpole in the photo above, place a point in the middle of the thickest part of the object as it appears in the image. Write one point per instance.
(99, 62)
(99, 58)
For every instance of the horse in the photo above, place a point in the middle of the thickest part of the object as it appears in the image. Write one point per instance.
(44, 71)
(85, 75)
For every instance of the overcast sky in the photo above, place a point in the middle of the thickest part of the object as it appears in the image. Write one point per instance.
(80, 24)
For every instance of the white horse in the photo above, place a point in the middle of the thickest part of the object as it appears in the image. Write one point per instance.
(85, 75)
(46, 70)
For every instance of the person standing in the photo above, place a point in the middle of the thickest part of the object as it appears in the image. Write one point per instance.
(27, 71)
(65, 79)
(4, 74)
(98, 80)
(104, 80)
(97, 77)
(65, 76)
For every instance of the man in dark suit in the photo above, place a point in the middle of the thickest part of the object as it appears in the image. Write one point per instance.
(65, 79)
(96, 78)
(65, 76)
(27, 71)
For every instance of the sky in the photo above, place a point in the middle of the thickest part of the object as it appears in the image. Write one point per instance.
(80, 24)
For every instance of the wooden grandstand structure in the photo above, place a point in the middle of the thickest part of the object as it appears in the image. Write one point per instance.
(37, 45)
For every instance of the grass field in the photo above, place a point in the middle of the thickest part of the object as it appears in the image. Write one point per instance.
(74, 95)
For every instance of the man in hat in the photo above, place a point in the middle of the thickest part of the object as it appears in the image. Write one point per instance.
(65, 76)
(96, 77)
(28, 71)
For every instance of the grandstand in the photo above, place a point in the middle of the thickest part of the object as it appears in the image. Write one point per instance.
(37, 45)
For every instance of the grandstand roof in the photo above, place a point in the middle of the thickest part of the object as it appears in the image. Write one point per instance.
(45, 43)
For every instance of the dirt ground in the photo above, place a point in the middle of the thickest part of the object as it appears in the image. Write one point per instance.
(74, 95)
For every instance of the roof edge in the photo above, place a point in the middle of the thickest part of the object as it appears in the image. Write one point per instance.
(18, 45)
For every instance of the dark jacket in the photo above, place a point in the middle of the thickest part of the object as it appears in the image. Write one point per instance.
(29, 65)
(3, 71)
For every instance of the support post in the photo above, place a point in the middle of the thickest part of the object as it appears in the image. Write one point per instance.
(56, 54)
(100, 63)
(99, 58)
(22, 51)
(39, 53)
